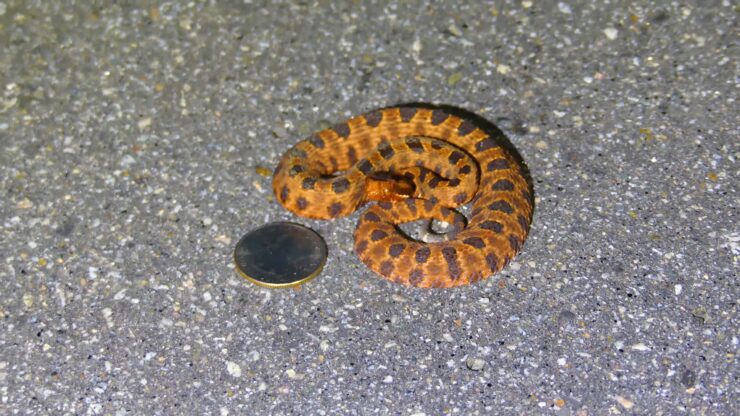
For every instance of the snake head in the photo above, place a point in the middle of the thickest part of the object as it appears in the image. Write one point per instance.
(389, 188)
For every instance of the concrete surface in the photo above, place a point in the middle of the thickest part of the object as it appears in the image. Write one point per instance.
(133, 136)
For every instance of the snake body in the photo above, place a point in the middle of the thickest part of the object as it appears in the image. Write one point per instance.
(417, 163)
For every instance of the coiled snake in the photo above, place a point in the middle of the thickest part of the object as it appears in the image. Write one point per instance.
(417, 163)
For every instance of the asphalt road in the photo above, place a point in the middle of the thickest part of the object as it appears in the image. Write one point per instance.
(135, 138)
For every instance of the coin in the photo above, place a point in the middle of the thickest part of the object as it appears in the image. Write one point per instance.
(280, 254)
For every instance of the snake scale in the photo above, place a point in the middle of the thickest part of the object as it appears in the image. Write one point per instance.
(417, 163)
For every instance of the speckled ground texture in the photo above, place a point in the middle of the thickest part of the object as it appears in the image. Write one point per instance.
(135, 140)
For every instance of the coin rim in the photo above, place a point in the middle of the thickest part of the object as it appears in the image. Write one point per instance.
(299, 282)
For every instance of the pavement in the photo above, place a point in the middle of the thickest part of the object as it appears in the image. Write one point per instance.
(137, 140)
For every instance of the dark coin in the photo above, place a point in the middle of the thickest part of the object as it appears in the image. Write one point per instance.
(280, 254)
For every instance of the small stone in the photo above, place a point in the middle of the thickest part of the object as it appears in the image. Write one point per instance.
(454, 78)
(24, 203)
(503, 69)
(624, 402)
(144, 123)
(388, 380)
(611, 33)
(454, 30)
(416, 46)
(640, 347)
(700, 313)
(279, 131)
(475, 364)
(234, 369)
(526, 4)
(28, 300)
(263, 171)
(564, 8)
(127, 161)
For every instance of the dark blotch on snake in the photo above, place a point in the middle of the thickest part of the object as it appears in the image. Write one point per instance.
(295, 170)
(497, 164)
(438, 117)
(526, 195)
(395, 250)
(352, 155)
(340, 185)
(386, 151)
(485, 144)
(342, 130)
(475, 242)
(502, 206)
(374, 118)
(492, 262)
(411, 204)
(460, 198)
(378, 235)
(365, 166)
(455, 156)
(450, 256)
(301, 202)
(523, 223)
(414, 144)
(465, 128)
(503, 185)
(422, 255)
(407, 113)
(415, 277)
(385, 205)
(372, 217)
(429, 204)
(335, 209)
(386, 268)
(284, 193)
(361, 247)
(494, 226)
(514, 242)
(308, 183)
(316, 141)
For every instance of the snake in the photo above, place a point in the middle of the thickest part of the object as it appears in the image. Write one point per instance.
(413, 163)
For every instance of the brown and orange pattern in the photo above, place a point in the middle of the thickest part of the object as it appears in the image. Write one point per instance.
(417, 163)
